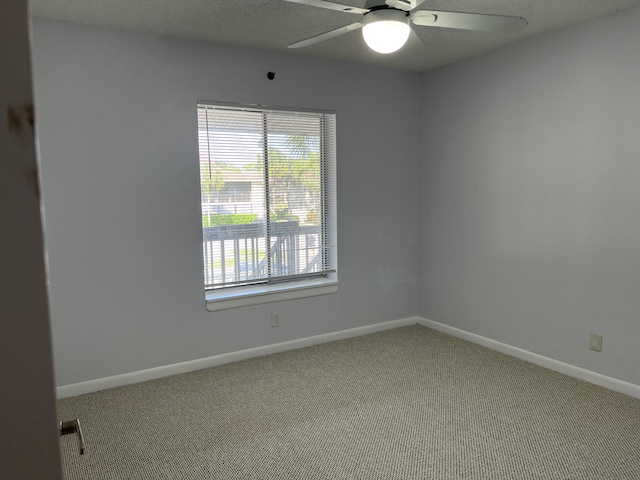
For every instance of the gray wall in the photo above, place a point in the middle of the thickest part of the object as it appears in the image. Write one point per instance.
(520, 168)
(530, 200)
(116, 117)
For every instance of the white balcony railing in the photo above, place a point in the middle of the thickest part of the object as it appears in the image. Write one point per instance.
(238, 254)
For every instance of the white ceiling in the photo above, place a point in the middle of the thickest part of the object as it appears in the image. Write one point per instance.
(274, 24)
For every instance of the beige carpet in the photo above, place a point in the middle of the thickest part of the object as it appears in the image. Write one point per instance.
(409, 403)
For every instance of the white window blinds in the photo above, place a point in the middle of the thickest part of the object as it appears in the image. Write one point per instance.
(268, 195)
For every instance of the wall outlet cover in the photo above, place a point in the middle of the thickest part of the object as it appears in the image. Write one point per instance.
(595, 342)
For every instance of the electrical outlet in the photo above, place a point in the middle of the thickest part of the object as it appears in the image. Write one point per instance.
(596, 342)
(275, 319)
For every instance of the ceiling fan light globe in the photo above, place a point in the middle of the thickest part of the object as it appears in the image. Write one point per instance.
(386, 31)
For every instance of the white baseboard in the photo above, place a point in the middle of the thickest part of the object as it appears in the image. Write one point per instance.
(555, 365)
(190, 366)
(184, 367)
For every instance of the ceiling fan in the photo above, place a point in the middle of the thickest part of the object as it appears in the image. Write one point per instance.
(386, 23)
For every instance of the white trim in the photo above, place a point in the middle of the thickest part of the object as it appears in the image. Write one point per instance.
(184, 367)
(555, 365)
(258, 294)
(257, 107)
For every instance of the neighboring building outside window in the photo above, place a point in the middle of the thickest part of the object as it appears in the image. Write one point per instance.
(268, 193)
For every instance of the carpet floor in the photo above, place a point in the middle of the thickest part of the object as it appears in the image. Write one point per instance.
(409, 403)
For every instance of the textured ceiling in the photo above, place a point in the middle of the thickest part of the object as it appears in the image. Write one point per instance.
(274, 24)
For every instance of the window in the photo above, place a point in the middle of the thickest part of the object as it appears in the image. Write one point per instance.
(268, 193)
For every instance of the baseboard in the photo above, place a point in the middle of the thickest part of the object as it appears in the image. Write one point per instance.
(184, 367)
(190, 366)
(555, 365)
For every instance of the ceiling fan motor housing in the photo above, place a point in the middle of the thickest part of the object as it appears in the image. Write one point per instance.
(383, 13)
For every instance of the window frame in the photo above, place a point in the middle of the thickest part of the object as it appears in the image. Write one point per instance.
(223, 298)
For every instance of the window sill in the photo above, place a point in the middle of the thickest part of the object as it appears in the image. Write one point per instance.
(255, 295)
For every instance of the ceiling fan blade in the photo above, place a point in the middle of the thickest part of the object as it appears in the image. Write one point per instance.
(331, 6)
(468, 21)
(326, 36)
(405, 5)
